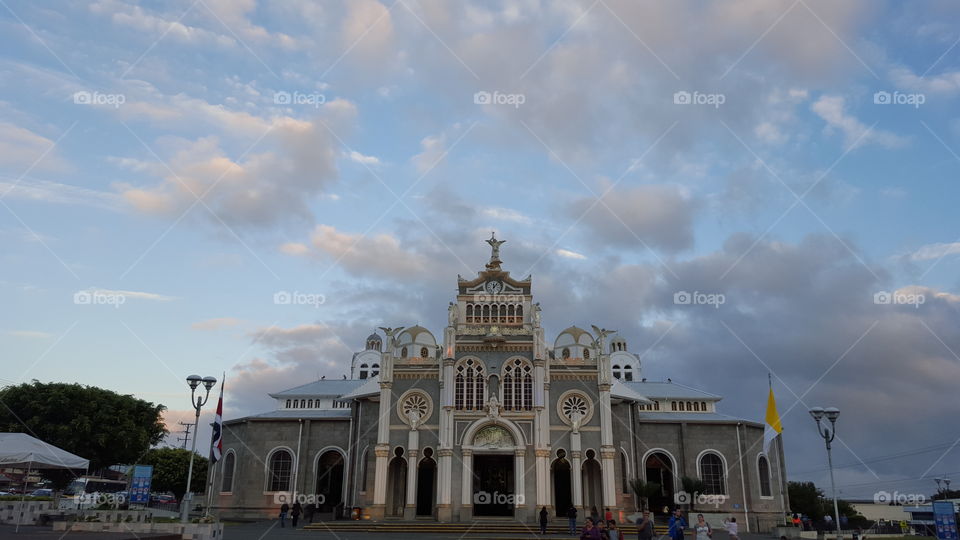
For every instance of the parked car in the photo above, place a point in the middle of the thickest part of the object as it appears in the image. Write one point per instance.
(164, 499)
(43, 492)
(2, 493)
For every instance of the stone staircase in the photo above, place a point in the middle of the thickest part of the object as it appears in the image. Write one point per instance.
(555, 529)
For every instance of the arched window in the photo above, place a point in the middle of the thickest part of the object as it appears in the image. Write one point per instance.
(703, 406)
(309, 403)
(656, 405)
(565, 353)
(363, 371)
(365, 474)
(511, 313)
(520, 313)
(616, 371)
(711, 472)
(403, 352)
(689, 406)
(628, 373)
(469, 313)
(517, 385)
(229, 464)
(374, 370)
(424, 353)
(696, 406)
(673, 405)
(280, 464)
(469, 386)
(682, 406)
(586, 353)
(486, 313)
(763, 468)
(288, 404)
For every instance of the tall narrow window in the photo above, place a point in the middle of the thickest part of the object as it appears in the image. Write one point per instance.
(508, 392)
(763, 467)
(469, 385)
(627, 373)
(363, 371)
(229, 463)
(527, 392)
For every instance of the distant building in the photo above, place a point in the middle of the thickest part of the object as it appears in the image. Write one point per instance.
(492, 420)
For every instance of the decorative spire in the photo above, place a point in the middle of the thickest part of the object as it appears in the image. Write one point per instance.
(495, 261)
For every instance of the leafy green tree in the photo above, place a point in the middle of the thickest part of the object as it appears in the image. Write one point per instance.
(643, 491)
(170, 468)
(806, 498)
(97, 424)
(693, 487)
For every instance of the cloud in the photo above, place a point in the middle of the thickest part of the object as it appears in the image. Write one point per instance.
(947, 83)
(22, 149)
(434, 147)
(566, 253)
(215, 324)
(30, 334)
(56, 193)
(832, 110)
(935, 251)
(357, 157)
(294, 248)
(378, 255)
(660, 216)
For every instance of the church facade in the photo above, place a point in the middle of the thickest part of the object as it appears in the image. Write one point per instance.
(490, 420)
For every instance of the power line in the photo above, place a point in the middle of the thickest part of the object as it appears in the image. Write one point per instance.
(186, 434)
(889, 457)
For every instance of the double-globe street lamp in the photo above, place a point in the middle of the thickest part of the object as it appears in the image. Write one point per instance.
(944, 490)
(198, 402)
(828, 431)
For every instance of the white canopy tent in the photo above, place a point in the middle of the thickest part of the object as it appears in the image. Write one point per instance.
(19, 450)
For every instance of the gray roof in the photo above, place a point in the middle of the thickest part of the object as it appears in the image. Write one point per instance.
(620, 390)
(693, 417)
(307, 414)
(664, 389)
(370, 387)
(332, 387)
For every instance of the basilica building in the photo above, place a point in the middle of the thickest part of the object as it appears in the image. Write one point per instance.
(489, 419)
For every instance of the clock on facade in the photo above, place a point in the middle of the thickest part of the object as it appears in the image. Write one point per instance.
(494, 287)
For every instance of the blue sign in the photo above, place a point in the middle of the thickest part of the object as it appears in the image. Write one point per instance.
(140, 485)
(945, 520)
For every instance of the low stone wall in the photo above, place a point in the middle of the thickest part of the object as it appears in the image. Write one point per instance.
(187, 531)
(28, 511)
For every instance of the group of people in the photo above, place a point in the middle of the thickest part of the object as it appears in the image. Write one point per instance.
(294, 512)
(595, 528)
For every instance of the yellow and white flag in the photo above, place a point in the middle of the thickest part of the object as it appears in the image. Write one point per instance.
(773, 426)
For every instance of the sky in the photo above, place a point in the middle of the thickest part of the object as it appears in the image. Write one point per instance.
(742, 189)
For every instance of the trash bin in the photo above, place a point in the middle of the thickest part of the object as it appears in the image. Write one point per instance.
(355, 513)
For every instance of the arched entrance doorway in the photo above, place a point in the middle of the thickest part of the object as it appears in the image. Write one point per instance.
(592, 482)
(330, 467)
(396, 484)
(562, 493)
(426, 484)
(494, 481)
(658, 468)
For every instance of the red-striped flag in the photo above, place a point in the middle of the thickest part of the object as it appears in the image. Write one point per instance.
(216, 439)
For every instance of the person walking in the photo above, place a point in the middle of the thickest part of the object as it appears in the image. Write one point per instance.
(572, 519)
(284, 508)
(543, 520)
(613, 532)
(645, 527)
(704, 532)
(590, 532)
(731, 526)
(677, 525)
(295, 513)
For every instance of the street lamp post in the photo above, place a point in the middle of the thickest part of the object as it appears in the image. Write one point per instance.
(943, 491)
(198, 402)
(828, 431)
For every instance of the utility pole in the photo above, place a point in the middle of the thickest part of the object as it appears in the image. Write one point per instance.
(186, 434)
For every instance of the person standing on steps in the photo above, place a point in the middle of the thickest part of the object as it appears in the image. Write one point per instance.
(543, 520)
(572, 519)
(645, 527)
(704, 532)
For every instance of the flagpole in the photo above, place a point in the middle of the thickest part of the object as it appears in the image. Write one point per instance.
(213, 433)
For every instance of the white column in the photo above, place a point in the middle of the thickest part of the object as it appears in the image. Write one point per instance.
(383, 445)
(543, 466)
(446, 460)
(607, 455)
(380, 480)
(576, 470)
(519, 471)
(466, 480)
(413, 442)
